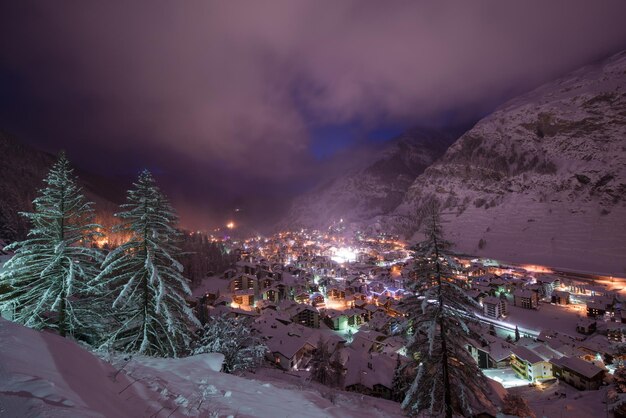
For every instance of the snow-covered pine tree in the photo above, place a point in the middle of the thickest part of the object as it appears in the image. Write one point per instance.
(515, 405)
(231, 337)
(51, 269)
(448, 380)
(401, 380)
(144, 280)
(326, 368)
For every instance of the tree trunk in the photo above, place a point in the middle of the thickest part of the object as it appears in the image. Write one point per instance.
(63, 305)
(447, 395)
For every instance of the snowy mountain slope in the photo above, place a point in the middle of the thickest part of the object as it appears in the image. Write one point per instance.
(42, 374)
(542, 179)
(372, 190)
(22, 169)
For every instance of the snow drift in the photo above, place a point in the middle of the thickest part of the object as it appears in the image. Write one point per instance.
(42, 374)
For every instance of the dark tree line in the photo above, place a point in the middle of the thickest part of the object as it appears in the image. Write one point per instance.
(202, 257)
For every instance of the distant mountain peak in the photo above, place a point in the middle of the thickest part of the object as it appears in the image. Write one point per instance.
(376, 187)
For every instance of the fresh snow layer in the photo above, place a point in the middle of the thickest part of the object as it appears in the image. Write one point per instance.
(44, 375)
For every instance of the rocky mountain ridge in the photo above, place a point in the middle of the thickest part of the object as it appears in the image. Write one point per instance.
(374, 189)
(542, 179)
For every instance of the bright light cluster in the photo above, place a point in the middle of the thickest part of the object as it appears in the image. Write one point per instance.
(344, 255)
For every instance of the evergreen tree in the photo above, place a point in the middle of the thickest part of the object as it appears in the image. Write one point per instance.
(50, 271)
(349, 335)
(144, 278)
(401, 380)
(448, 380)
(337, 368)
(517, 337)
(231, 337)
(326, 368)
(515, 405)
(619, 379)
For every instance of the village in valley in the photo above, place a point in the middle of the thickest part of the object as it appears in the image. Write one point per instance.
(298, 289)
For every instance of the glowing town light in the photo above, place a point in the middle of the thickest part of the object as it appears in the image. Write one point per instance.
(344, 255)
(230, 225)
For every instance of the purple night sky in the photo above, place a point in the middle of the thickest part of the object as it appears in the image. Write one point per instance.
(248, 103)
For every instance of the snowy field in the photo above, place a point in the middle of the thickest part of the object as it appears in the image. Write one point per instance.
(580, 241)
(562, 319)
(506, 377)
(44, 375)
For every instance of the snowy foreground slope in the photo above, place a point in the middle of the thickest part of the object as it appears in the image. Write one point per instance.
(542, 179)
(44, 375)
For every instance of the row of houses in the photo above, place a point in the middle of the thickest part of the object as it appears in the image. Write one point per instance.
(555, 356)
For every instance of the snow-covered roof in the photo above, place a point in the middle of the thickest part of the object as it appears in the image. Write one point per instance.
(524, 293)
(498, 349)
(578, 365)
(492, 300)
(210, 285)
(380, 373)
(527, 355)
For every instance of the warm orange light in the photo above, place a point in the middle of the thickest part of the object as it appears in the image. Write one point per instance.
(230, 225)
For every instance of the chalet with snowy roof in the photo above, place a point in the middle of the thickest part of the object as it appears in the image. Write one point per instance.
(289, 351)
(336, 320)
(476, 270)
(397, 309)
(380, 321)
(368, 340)
(482, 288)
(246, 267)
(244, 297)
(317, 300)
(494, 307)
(495, 354)
(532, 364)
(616, 332)
(392, 345)
(232, 312)
(499, 285)
(586, 326)
(305, 315)
(355, 317)
(271, 294)
(335, 293)
(596, 309)
(476, 294)
(526, 298)
(371, 374)
(560, 297)
(549, 282)
(597, 345)
(578, 373)
(211, 289)
(243, 281)
(302, 297)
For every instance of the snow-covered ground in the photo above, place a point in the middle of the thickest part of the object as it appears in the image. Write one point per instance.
(562, 319)
(506, 377)
(44, 375)
(555, 400)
